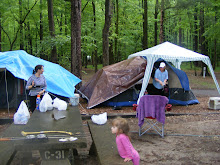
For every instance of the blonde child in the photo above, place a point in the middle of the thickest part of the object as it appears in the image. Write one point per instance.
(120, 127)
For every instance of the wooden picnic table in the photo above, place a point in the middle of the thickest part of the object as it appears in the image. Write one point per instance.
(51, 148)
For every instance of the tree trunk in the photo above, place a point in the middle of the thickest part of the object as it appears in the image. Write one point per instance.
(61, 23)
(76, 60)
(105, 34)
(95, 50)
(0, 33)
(30, 47)
(180, 34)
(155, 23)
(215, 43)
(36, 36)
(111, 53)
(41, 21)
(202, 31)
(52, 30)
(203, 43)
(145, 27)
(161, 22)
(42, 54)
(29, 36)
(175, 33)
(195, 38)
(21, 26)
(65, 21)
(116, 32)
(61, 33)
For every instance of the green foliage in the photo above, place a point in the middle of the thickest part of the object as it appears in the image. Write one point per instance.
(179, 16)
(48, 43)
(189, 66)
(92, 67)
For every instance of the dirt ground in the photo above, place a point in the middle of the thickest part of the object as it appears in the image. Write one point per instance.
(190, 138)
(192, 133)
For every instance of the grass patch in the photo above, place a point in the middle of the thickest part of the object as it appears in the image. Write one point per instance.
(198, 82)
(92, 67)
(187, 66)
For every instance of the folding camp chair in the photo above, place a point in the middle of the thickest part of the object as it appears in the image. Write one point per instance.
(152, 124)
(151, 110)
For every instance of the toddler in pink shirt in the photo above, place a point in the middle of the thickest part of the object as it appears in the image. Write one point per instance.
(120, 127)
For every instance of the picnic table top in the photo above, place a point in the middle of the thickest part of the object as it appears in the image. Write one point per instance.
(44, 121)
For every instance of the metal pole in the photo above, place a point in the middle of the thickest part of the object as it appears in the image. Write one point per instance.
(204, 71)
(6, 86)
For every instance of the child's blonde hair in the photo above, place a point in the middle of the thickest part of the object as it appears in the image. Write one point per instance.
(122, 125)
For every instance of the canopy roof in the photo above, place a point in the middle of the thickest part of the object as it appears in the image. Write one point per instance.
(21, 65)
(171, 53)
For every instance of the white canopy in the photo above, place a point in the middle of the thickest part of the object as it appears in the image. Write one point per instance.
(170, 53)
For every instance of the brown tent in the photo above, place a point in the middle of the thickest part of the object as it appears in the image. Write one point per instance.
(112, 80)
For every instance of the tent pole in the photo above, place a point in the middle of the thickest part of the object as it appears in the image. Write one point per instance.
(147, 74)
(208, 63)
(25, 91)
(7, 92)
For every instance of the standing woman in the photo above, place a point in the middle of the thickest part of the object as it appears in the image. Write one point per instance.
(160, 79)
(37, 85)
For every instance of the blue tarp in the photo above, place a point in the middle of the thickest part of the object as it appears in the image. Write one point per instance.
(21, 64)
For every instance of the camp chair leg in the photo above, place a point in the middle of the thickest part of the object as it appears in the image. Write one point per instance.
(152, 125)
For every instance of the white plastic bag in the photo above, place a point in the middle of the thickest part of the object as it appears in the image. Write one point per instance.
(49, 101)
(59, 104)
(99, 119)
(22, 115)
(55, 102)
(46, 103)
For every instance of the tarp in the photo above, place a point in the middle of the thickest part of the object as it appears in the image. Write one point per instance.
(112, 80)
(171, 53)
(21, 64)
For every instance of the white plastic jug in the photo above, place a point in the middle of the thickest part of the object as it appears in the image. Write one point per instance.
(74, 100)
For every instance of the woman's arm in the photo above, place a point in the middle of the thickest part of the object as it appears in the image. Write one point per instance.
(30, 84)
(161, 83)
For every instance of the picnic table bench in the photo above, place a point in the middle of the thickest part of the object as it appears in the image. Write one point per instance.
(7, 152)
(104, 145)
(52, 151)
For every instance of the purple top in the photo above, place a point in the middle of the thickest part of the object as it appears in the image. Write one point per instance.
(39, 84)
(151, 106)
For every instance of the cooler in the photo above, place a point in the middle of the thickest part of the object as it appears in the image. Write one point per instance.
(214, 103)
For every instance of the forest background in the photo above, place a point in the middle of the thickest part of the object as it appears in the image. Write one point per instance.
(70, 32)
